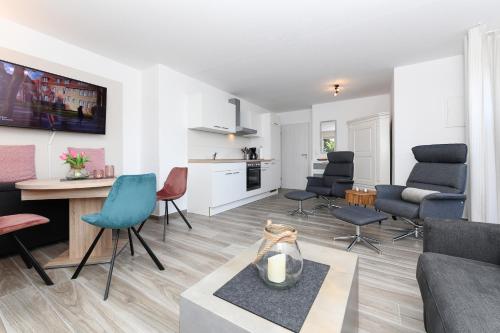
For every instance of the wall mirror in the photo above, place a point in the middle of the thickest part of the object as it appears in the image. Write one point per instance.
(328, 136)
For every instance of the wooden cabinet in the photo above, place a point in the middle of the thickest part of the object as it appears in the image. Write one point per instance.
(211, 113)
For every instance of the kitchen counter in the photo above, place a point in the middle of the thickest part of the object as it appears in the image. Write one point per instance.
(222, 160)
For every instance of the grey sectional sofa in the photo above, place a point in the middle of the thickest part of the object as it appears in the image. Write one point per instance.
(459, 276)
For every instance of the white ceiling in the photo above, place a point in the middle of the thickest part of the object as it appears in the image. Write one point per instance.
(280, 54)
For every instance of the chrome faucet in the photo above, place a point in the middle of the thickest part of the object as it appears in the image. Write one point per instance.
(214, 156)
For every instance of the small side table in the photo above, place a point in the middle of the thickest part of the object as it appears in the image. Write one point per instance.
(360, 198)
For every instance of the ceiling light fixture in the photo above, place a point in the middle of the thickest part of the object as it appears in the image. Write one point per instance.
(336, 89)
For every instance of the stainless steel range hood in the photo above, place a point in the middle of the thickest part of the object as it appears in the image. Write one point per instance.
(240, 130)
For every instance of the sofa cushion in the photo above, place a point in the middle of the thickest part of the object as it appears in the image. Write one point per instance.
(398, 207)
(415, 195)
(96, 157)
(460, 295)
(17, 163)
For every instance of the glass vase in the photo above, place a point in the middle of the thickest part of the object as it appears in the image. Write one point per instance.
(279, 261)
(77, 173)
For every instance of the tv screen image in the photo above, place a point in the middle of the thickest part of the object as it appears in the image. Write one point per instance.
(32, 98)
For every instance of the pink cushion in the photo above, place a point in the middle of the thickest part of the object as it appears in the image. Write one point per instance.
(17, 163)
(10, 223)
(96, 157)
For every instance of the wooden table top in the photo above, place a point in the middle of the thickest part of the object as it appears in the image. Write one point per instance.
(57, 184)
(328, 310)
(370, 192)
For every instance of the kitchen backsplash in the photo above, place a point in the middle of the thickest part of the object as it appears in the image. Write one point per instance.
(202, 145)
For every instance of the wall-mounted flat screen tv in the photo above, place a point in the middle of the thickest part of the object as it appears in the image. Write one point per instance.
(32, 98)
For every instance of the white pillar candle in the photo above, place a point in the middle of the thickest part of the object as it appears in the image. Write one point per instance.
(276, 268)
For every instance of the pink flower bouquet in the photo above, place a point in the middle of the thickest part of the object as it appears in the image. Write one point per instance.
(75, 161)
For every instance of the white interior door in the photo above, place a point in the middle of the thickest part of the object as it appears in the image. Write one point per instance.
(362, 141)
(294, 155)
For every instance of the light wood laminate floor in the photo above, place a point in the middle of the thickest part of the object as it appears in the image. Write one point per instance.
(143, 299)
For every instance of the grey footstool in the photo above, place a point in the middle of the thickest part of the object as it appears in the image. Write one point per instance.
(300, 196)
(359, 216)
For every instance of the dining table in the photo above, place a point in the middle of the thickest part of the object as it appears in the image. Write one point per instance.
(85, 196)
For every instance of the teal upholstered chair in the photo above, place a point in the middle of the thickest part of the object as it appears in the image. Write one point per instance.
(131, 201)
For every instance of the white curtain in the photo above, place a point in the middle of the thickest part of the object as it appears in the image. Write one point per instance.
(482, 54)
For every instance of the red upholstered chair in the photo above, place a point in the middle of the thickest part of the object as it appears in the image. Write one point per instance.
(173, 189)
(9, 224)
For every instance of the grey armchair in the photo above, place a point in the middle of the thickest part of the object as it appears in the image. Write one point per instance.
(336, 179)
(458, 276)
(440, 168)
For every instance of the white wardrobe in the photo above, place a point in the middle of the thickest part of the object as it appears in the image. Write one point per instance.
(370, 140)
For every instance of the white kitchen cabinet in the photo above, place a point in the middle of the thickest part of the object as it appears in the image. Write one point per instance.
(228, 183)
(275, 174)
(217, 187)
(270, 175)
(211, 112)
(251, 119)
(266, 176)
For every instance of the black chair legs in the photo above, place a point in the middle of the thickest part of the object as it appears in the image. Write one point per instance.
(130, 242)
(165, 221)
(148, 249)
(30, 261)
(113, 257)
(87, 255)
(182, 215)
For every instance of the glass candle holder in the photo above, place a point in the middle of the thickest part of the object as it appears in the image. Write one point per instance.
(279, 261)
(109, 171)
(98, 174)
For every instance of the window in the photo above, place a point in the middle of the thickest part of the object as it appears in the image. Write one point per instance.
(328, 136)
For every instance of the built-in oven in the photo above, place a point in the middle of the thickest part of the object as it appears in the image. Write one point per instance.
(253, 175)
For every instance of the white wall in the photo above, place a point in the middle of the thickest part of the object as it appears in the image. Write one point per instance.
(167, 142)
(122, 142)
(295, 117)
(428, 109)
(342, 112)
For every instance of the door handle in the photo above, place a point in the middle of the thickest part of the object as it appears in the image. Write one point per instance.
(305, 155)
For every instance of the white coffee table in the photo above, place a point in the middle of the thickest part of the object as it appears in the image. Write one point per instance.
(334, 310)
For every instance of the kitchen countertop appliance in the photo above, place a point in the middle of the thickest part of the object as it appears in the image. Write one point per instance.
(253, 153)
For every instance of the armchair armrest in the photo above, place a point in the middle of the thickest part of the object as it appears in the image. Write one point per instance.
(314, 181)
(442, 205)
(345, 181)
(389, 191)
(339, 186)
(470, 240)
(446, 196)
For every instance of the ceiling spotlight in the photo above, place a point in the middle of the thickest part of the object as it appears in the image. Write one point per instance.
(336, 89)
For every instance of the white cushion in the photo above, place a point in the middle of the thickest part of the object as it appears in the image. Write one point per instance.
(415, 195)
